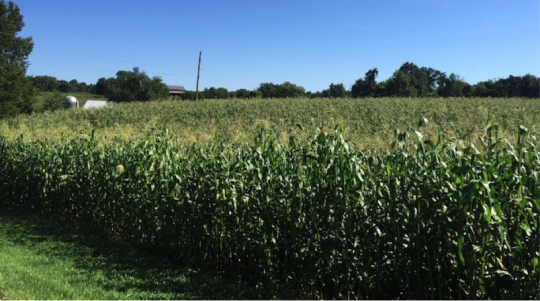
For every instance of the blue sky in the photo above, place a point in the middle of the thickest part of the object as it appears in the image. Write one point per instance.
(310, 43)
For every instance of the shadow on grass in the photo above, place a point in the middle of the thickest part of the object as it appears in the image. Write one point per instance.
(146, 273)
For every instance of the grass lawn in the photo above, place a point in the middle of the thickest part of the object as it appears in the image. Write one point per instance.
(43, 259)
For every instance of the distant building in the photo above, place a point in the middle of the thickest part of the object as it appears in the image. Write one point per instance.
(93, 104)
(176, 90)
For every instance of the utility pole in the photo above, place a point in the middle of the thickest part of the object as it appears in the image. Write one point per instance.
(198, 74)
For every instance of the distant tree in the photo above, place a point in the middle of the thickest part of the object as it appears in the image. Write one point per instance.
(210, 93)
(400, 85)
(425, 80)
(153, 89)
(365, 87)
(452, 86)
(529, 84)
(53, 102)
(64, 86)
(467, 90)
(222, 93)
(287, 89)
(242, 93)
(337, 91)
(513, 86)
(380, 90)
(188, 95)
(480, 90)
(517, 86)
(501, 88)
(357, 89)
(535, 90)
(317, 94)
(44, 83)
(74, 86)
(325, 93)
(290, 90)
(101, 86)
(269, 90)
(255, 94)
(135, 86)
(16, 92)
(434, 78)
(418, 78)
(217, 93)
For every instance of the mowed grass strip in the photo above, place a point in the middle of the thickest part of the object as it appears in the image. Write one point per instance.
(44, 259)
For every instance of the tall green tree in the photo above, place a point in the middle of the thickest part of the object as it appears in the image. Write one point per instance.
(242, 93)
(269, 90)
(210, 93)
(400, 85)
(44, 83)
(16, 92)
(102, 85)
(222, 93)
(335, 91)
(134, 86)
(424, 80)
(417, 77)
(530, 86)
(367, 86)
(286, 89)
(452, 86)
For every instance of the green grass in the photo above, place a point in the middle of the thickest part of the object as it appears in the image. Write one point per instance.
(45, 259)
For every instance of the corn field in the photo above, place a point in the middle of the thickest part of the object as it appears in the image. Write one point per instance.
(367, 123)
(317, 217)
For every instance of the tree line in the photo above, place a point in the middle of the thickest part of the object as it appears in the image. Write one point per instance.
(408, 81)
(413, 81)
(45, 83)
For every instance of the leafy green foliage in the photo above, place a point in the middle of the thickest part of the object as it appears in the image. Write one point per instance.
(366, 87)
(16, 93)
(286, 89)
(134, 86)
(413, 81)
(401, 85)
(523, 86)
(53, 102)
(317, 217)
(44, 83)
(335, 91)
(452, 86)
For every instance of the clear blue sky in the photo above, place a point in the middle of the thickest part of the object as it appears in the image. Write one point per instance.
(310, 43)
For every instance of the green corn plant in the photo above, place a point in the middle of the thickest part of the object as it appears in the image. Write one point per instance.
(318, 217)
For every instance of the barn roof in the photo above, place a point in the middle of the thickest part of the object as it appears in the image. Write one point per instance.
(177, 89)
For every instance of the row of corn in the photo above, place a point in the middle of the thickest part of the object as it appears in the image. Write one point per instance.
(318, 218)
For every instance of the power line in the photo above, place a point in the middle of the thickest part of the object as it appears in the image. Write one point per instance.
(228, 78)
(110, 60)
